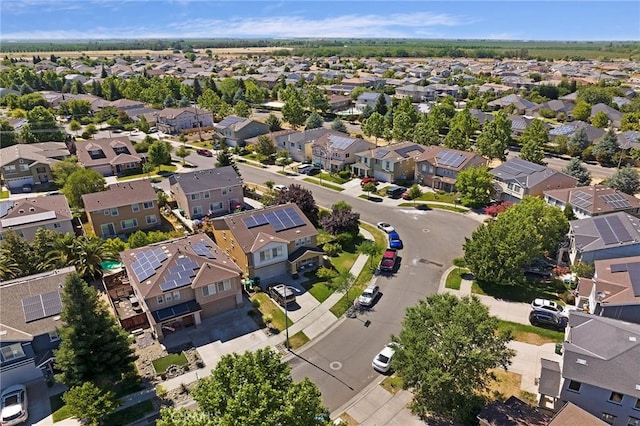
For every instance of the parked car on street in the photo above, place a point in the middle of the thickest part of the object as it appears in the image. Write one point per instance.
(369, 295)
(14, 406)
(312, 171)
(394, 240)
(388, 261)
(279, 188)
(382, 361)
(205, 152)
(548, 319)
(550, 306)
(385, 227)
(395, 191)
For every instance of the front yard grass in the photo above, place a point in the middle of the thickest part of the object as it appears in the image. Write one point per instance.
(431, 206)
(59, 410)
(508, 384)
(130, 414)
(392, 384)
(161, 364)
(330, 177)
(318, 288)
(524, 293)
(298, 340)
(531, 334)
(434, 196)
(268, 307)
(156, 173)
(324, 184)
(454, 279)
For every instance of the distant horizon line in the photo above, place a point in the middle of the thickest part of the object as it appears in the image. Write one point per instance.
(178, 38)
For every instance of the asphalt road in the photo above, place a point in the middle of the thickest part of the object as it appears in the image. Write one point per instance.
(340, 362)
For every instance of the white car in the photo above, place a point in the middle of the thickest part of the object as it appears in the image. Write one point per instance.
(385, 227)
(14, 405)
(549, 306)
(369, 295)
(279, 187)
(382, 361)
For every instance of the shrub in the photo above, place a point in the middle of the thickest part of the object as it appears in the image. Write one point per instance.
(459, 262)
(344, 239)
(344, 174)
(332, 249)
(255, 303)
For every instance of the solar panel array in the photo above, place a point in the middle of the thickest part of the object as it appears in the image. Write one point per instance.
(450, 158)
(617, 201)
(281, 220)
(202, 249)
(179, 275)
(565, 129)
(581, 199)
(380, 153)
(611, 230)
(339, 142)
(147, 262)
(634, 274)
(518, 166)
(41, 306)
(172, 312)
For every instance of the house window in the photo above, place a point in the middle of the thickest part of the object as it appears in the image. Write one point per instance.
(633, 422)
(197, 211)
(9, 169)
(147, 205)
(637, 406)
(224, 191)
(265, 255)
(12, 352)
(574, 386)
(160, 300)
(129, 223)
(23, 167)
(176, 295)
(616, 397)
(114, 211)
(151, 219)
(195, 196)
(209, 290)
(223, 286)
(206, 195)
(54, 336)
(135, 207)
(57, 225)
(609, 418)
(276, 252)
(215, 206)
(168, 297)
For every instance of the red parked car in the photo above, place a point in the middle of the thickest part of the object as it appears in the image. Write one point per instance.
(205, 152)
(366, 180)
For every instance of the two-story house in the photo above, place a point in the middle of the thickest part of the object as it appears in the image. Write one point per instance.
(438, 167)
(173, 120)
(369, 99)
(596, 200)
(416, 93)
(334, 151)
(516, 178)
(570, 129)
(609, 236)
(519, 103)
(599, 370)
(296, 143)
(236, 130)
(26, 215)
(123, 208)
(209, 192)
(388, 163)
(109, 157)
(180, 282)
(30, 310)
(30, 164)
(269, 242)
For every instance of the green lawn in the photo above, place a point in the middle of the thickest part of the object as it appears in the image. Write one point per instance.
(59, 410)
(434, 196)
(130, 414)
(4, 194)
(298, 340)
(323, 184)
(531, 334)
(268, 307)
(392, 384)
(161, 364)
(331, 178)
(524, 293)
(318, 289)
(454, 279)
(164, 171)
(430, 206)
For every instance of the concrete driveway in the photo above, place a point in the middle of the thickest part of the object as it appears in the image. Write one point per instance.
(38, 398)
(305, 302)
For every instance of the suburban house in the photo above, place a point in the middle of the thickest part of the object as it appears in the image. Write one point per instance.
(599, 369)
(334, 151)
(570, 129)
(30, 310)
(180, 282)
(30, 164)
(438, 167)
(614, 290)
(555, 105)
(516, 178)
(109, 157)
(123, 208)
(174, 120)
(26, 215)
(416, 93)
(609, 236)
(369, 99)
(236, 130)
(512, 412)
(388, 163)
(614, 116)
(297, 143)
(269, 242)
(519, 103)
(209, 192)
(596, 200)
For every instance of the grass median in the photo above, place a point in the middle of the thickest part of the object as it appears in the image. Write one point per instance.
(324, 184)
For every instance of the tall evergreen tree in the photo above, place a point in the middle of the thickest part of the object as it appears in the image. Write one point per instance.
(577, 169)
(93, 348)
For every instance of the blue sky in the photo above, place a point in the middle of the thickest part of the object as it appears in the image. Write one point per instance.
(520, 20)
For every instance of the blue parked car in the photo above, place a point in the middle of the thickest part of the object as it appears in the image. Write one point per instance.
(394, 240)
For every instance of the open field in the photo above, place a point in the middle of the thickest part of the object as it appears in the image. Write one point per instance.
(226, 52)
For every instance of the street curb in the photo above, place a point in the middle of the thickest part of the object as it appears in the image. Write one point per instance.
(357, 398)
(443, 278)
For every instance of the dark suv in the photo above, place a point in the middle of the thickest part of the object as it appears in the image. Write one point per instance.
(548, 319)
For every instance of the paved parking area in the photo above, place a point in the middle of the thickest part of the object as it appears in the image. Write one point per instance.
(38, 398)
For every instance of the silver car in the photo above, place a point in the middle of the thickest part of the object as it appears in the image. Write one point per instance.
(14, 405)
(369, 295)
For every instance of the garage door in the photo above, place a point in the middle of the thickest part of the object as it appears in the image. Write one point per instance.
(382, 176)
(17, 183)
(20, 375)
(218, 306)
(270, 271)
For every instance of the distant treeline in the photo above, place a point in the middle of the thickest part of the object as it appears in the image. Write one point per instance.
(360, 48)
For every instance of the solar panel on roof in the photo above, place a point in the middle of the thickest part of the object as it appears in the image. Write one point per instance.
(249, 222)
(620, 232)
(168, 285)
(634, 277)
(604, 230)
(617, 201)
(339, 142)
(581, 199)
(294, 216)
(380, 153)
(32, 308)
(202, 249)
(619, 267)
(51, 303)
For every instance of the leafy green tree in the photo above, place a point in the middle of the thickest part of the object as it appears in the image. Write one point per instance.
(600, 120)
(371, 249)
(241, 109)
(466, 123)
(265, 146)
(17, 255)
(253, 389)
(228, 88)
(369, 187)
(7, 134)
(182, 152)
(316, 100)
(90, 403)
(568, 212)
(440, 115)
(253, 93)
(225, 158)
(80, 182)
(578, 142)
(283, 158)
(578, 170)
(498, 250)
(159, 153)
(314, 121)
(339, 126)
(63, 169)
(456, 139)
(293, 113)
(606, 148)
(425, 134)
(402, 126)
(495, 137)
(630, 121)
(75, 126)
(374, 126)
(143, 124)
(475, 184)
(76, 108)
(581, 111)
(415, 192)
(273, 122)
(626, 180)
(583, 269)
(138, 239)
(444, 367)
(93, 346)
(381, 105)
(534, 138)
(366, 112)
(43, 126)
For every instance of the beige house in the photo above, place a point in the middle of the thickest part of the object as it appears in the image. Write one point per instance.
(335, 151)
(438, 167)
(26, 215)
(109, 157)
(388, 163)
(173, 120)
(123, 208)
(596, 200)
(30, 164)
(236, 130)
(209, 192)
(180, 282)
(269, 242)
